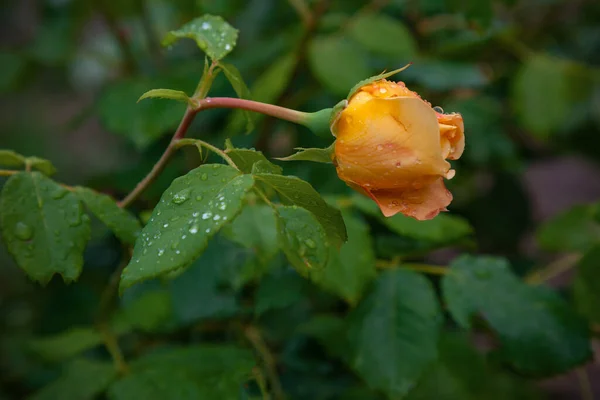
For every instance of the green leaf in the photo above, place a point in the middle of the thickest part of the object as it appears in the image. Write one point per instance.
(351, 269)
(313, 154)
(278, 291)
(9, 158)
(574, 230)
(294, 191)
(330, 331)
(167, 94)
(444, 228)
(194, 372)
(302, 238)
(213, 35)
(245, 159)
(461, 372)
(532, 323)
(237, 82)
(541, 95)
(367, 81)
(255, 228)
(384, 35)
(337, 63)
(394, 332)
(586, 285)
(66, 344)
(266, 89)
(44, 166)
(82, 379)
(142, 123)
(124, 224)
(200, 292)
(43, 226)
(189, 213)
(148, 313)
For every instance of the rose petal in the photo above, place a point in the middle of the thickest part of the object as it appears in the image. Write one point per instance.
(452, 132)
(420, 203)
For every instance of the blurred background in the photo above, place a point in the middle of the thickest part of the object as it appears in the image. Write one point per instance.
(525, 74)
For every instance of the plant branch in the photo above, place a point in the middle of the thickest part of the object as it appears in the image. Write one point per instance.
(303, 11)
(286, 114)
(424, 268)
(553, 269)
(160, 165)
(112, 346)
(255, 338)
(6, 172)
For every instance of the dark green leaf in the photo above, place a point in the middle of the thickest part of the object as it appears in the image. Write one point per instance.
(384, 35)
(124, 224)
(170, 94)
(213, 35)
(295, 191)
(237, 82)
(533, 323)
(337, 63)
(245, 159)
(586, 285)
(394, 332)
(200, 292)
(9, 158)
(12, 68)
(44, 166)
(302, 239)
(189, 213)
(541, 95)
(330, 331)
(43, 226)
(352, 268)
(574, 230)
(462, 373)
(82, 379)
(148, 313)
(444, 228)
(66, 344)
(316, 155)
(195, 372)
(142, 123)
(255, 228)
(278, 290)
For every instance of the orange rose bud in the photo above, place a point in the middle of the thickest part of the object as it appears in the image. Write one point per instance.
(392, 146)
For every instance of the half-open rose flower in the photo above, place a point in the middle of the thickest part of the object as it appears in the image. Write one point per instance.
(392, 146)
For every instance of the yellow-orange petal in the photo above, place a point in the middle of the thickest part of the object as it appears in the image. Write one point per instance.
(420, 203)
(452, 135)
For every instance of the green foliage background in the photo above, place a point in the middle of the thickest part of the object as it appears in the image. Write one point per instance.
(498, 299)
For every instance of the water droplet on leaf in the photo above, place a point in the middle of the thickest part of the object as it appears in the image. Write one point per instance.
(181, 197)
(23, 231)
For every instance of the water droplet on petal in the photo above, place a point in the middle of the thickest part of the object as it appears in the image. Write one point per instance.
(438, 109)
(379, 147)
(23, 231)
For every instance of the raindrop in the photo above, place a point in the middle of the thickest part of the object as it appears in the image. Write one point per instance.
(165, 225)
(206, 215)
(174, 245)
(438, 109)
(398, 164)
(204, 177)
(23, 231)
(161, 252)
(217, 217)
(223, 206)
(207, 230)
(194, 229)
(177, 252)
(379, 147)
(183, 237)
(310, 243)
(198, 198)
(181, 197)
(195, 214)
(206, 26)
(227, 47)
